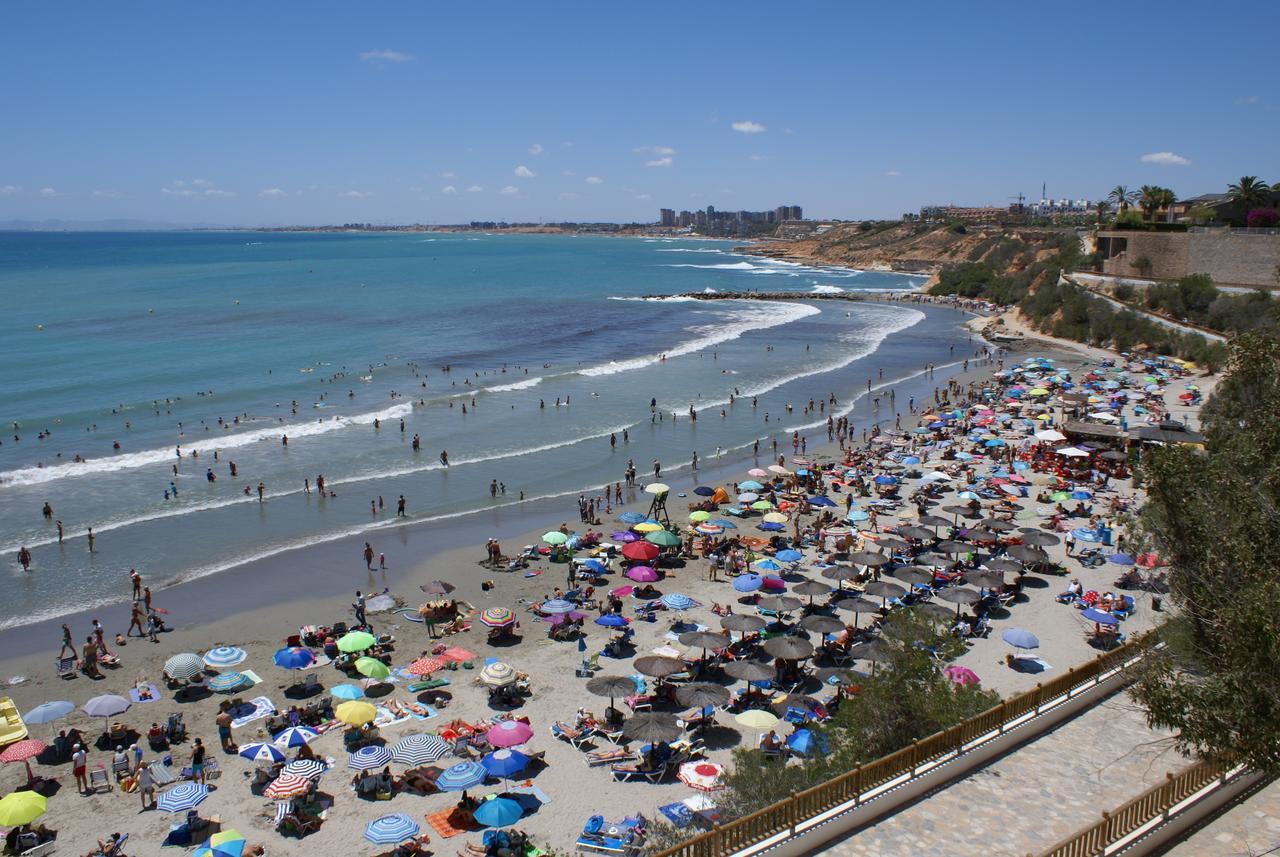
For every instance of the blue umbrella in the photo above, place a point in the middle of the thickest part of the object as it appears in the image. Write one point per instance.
(257, 752)
(391, 829)
(1020, 639)
(557, 606)
(224, 656)
(885, 479)
(504, 763)
(789, 555)
(804, 742)
(677, 601)
(911, 459)
(770, 527)
(346, 691)
(728, 525)
(594, 564)
(293, 658)
(1080, 494)
(856, 515)
(611, 620)
(631, 517)
(47, 712)
(462, 776)
(369, 757)
(822, 502)
(767, 564)
(704, 491)
(750, 485)
(182, 797)
(294, 736)
(1121, 559)
(747, 583)
(995, 441)
(1101, 618)
(498, 812)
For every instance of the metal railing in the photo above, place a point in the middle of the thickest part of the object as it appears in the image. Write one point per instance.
(800, 807)
(1152, 804)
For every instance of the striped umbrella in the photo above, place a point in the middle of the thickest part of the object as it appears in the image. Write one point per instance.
(498, 674)
(227, 682)
(183, 666)
(224, 843)
(369, 757)
(391, 829)
(295, 736)
(258, 752)
(557, 605)
(509, 733)
(677, 601)
(425, 666)
(414, 750)
(462, 776)
(309, 768)
(497, 617)
(224, 656)
(287, 786)
(182, 797)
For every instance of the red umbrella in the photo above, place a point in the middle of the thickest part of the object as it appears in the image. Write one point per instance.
(640, 551)
(23, 751)
(425, 666)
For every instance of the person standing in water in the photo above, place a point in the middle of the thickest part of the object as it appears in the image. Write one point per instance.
(91, 540)
(444, 457)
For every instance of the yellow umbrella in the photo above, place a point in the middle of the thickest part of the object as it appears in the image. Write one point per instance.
(699, 516)
(757, 718)
(656, 488)
(647, 527)
(776, 518)
(18, 808)
(355, 713)
(1038, 391)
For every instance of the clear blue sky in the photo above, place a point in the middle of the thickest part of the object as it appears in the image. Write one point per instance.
(319, 112)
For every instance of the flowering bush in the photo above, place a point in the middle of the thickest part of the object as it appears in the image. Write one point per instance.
(1263, 218)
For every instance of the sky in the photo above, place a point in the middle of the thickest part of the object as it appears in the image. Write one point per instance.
(318, 112)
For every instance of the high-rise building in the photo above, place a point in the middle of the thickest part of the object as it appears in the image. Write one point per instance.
(667, 216)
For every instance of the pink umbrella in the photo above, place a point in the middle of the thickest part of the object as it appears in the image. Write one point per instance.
(561, 618)
(23, 751)
(621, 591)
(642, 574)
(773, 583)
(961, 675)
(509, 733)
(624, 536)
(757, 473)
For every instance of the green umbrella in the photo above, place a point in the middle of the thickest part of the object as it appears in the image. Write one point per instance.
(19, 808)
(555, 537)
(699, 516)
(1059, 496)
(762, 505)
(356, 641)
(663, 539)
(373, 668)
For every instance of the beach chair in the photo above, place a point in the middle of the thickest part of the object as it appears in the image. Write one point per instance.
(311, 684)
(98, 780)
(66, 667)
(175, 730)
(616, 756)
(212, 770)
(575, 737)
(120, 769)
(161, 774)
(627, 772)
(116, 850)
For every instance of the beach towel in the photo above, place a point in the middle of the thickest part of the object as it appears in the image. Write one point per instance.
(137, 697)
(677, 813)
(456, 653)
(385, 718)
(443, 822)
(253, 677)
(262, 706)
(528, 788)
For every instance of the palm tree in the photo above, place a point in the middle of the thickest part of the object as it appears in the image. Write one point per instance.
(1121, 197)
(1249, 192)
(1165, 199)
(1149, 200)
(1102, 208)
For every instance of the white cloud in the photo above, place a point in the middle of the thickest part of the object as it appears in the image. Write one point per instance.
(49, 193)
(220, 193)
(535, 149)
(9, 190)
(654, 150)
(593, 180)
(893, 174)
(510, 190)
(567, 173)
(385, 55)
(643, 196)
(202, 183)
(659, 162)
(1245, 100)
(272, 192)
(178, 191)
(524, 172)
(787, 131)
(747, 127)
(356, 194)
(449, 189)
(1165, 159)
(196, 188)
(447, 174)
(106, 193)
(760, 158)
(475, 188)
(568, 195)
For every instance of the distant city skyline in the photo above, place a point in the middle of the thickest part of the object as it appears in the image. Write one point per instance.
(296, 113)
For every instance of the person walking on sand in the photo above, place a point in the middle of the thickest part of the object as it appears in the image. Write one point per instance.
(358, 606)
(368, 556)
(197, 762)
(146, 787)
(223, 720)
(67, 642)
(79, 763)
(135, 621)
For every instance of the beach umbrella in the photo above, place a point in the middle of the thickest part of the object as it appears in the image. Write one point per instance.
(354, 713)
(776, 518)
(1020, 639)
(24, 751)
(295, 736)
(346, 691)
(749, 670)
(651, 727)
(761, 505)
(933, 521)
(611, 686)
(657, 488)
(504, 763)
(509, 733)
(701, 694)
(704, 491)
(741, 622)
(857, 606)
(224, 656)
(557, 606)
(309, 768)
(462, 776)
(391, 829)
(369, 757)
(19, 808)
(286, 786)
(961, 675)
(874, 651)
(884, 589)
(708, 529)
(1028, 553)
(497, 674)
(953, 547)
(757, 718)
(821, 502)
(658, 666)
(1099, 616)
(356, 641)
(437, 587)
(259, 752)
(611, 620)
(767, 565)
(640, 551)
(47, 712)
(414, 750)
(959, 596)
(293, 658)
(183, 666)
(806, 742)
(811, 588)
(555, 537)
(641, 573)
(702, 775)
(1036, 537)
(758, 473)
(630, 517)
(498, 812)
(497, 617)
(781, 603)
(1004, 566)
(789, 555)
(996, 525)
(182, 797)
(107, 705)
(663, 539)
(869, 558)
(228, 682)
(677, 601)
(699, 516)
(1121, 559)
(224, 843)
(918, 533)
(914, 575)
(789, 648)
(840, 572)
(779, 469)
(747, 582)
(822, 624)
(373, 668)
(985, 579)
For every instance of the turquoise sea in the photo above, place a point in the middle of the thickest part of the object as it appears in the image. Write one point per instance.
(222, 343)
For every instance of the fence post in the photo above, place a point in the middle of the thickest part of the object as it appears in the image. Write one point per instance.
(1071, 687)
(857, 784)
(1039, 697)
(915, 754)
(795, 812)
(1166, 803)
(716, 839)
(1004, 716)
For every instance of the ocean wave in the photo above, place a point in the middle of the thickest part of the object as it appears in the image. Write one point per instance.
(519, 385)
(657, 299)
(847, 408)
(820, 289)
(689, 250)
(760, 316)
(162, 455)
(723, 266)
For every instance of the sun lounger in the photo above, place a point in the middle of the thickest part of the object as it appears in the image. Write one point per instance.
(39, 849)
(161, 774)
(609, 757)
(627, 772)
(576, 737)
